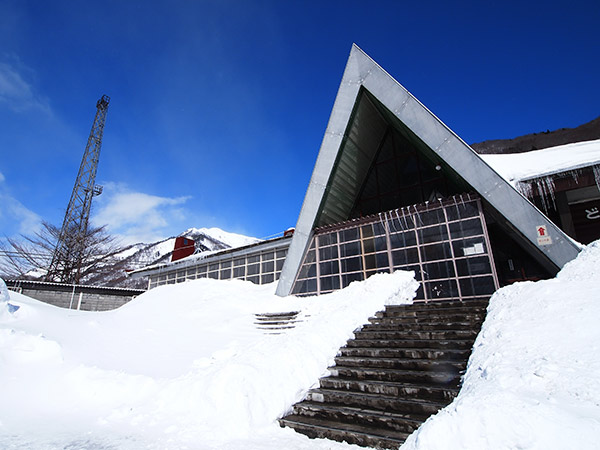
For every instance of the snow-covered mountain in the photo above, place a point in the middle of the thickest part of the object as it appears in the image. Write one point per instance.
(140, 255)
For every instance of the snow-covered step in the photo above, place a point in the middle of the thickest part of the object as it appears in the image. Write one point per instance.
(276, 323)
(430, 365)
(442, 377)
(408, 333)
(417, 353)
(389, 325)
(339, 431)
(412, 343)
(380, 402)
(405, 390)
(477, 315)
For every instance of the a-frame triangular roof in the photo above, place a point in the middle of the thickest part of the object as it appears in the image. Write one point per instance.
(341, 169)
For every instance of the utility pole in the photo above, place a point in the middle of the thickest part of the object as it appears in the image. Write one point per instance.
(70, 248)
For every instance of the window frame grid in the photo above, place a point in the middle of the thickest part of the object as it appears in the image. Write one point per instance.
(387, 220)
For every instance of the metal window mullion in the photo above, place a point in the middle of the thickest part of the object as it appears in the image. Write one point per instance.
(317, 262)
(425, 297)
(362, 250)
(460, 296)
(487, 243)
(388, 241)
(339, 257)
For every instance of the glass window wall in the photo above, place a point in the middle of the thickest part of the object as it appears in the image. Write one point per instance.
(444, 242)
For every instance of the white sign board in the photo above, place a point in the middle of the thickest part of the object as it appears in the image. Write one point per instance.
(542, 235)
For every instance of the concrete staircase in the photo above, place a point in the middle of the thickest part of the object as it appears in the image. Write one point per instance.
(401, 368)
(277, 323)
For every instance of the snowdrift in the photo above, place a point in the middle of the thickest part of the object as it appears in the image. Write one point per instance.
(184, 367)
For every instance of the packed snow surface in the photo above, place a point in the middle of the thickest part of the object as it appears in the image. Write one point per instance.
(538, 163)
(184, 367)
(181, 366)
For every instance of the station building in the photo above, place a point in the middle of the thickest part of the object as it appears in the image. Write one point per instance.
(393, 188)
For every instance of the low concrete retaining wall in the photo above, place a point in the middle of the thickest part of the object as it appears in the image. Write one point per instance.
(74, 296)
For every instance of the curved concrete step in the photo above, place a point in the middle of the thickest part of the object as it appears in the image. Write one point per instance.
(440, 378)
(403, 422)
(426, 365)
(381, 316)
(415, 391)
(441, 326)
(408, 334)
(364, 436)
(375, 402)
(416, 353)
(457, 344)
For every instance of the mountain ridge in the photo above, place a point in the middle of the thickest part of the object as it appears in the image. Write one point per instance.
(535, 141)
(137, 256)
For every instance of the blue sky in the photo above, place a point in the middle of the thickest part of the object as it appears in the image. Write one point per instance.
(218, 108)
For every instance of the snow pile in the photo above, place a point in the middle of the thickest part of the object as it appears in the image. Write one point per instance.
(182, 366)
(6, 308)
(539, 163)
(533, 380)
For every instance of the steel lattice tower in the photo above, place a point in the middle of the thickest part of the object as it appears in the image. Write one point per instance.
(70, 248)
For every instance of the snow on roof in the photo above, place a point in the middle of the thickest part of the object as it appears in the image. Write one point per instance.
(516, 167)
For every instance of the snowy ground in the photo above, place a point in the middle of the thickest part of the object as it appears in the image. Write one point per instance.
(183, 367)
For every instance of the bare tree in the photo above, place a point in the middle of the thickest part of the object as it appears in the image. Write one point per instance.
(30, 256)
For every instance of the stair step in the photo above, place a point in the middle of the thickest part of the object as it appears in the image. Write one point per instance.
(400, 363)
(442, 377)
(400, 421)
(458, 344)
(415, 391)
(377, 402)
(425, 309)
(408, 334)
(476, 316)
(468, 303)
(441, 326)
(352, 434)
(417, 353)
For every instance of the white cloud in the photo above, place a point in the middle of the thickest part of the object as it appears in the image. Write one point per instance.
(136, 216)
(17, 93)
(14, 216)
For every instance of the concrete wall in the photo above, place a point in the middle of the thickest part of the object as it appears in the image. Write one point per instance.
(69, 296)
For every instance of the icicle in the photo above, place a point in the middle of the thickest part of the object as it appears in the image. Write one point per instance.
(418, 216)
(399, 219)
(390, 221)
(596, 170)
(405, 217)
(545, 190)
(526, 189)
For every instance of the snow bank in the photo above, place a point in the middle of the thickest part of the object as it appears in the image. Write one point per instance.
(533, 380)
(182, 366)
(538, 163)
